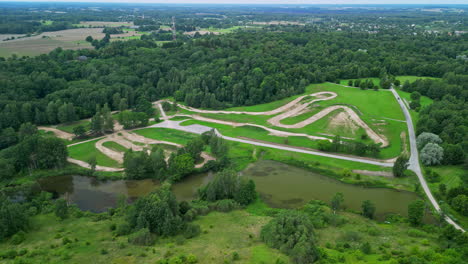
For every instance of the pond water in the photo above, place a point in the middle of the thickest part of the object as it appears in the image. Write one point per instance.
(94, 195)
(279, 185)
(285, 186)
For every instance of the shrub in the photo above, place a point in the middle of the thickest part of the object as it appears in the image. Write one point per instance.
(366, 248)
(191, 230)
(123, 229)
(18, 238)
(226, 205)
(142, 237)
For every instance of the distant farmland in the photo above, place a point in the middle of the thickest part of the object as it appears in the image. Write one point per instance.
(48, 41)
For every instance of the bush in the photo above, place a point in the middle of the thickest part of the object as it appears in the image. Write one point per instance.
(142, 237)
(226, 205)
(123, 229)
(366, 248)
(292, 233)
(191, 230)
(18, 238)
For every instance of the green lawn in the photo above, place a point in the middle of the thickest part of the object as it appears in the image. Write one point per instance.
(86, 151)
(166, 134)
(68, 127)
(114, 146)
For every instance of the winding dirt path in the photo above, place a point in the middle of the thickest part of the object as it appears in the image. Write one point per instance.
(88, 166)
(290, 109)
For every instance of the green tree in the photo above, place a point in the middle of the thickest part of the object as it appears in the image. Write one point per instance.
(432, 154)
(368, 209)
(337, 201)
(61, 208)
(79, 131)
(442, 189)
(246, 193)
(26, 130)
(181, 165)
(416, 212)
(401, 164)
(13, 217)
(92, 163)
(415, 96)
(292, 233)
(157, 211)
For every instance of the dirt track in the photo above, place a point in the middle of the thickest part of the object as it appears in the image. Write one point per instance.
(293, 108)
(58, 133)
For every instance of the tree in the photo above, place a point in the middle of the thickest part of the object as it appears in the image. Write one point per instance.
(157, 211)
(453, 154)
(8, 138)
(89, 39)
(415, 96)
(368, 209)
(92, 163)
(442, 189)
(460, 204)
(246, 193)
(26, 130)
(181, 165)
(13, 217)
(401, 164)
(337, 201)
(97, 124)
(432, 154)
(228, 185)
(79, 131)
(292, 233)
(425, 138)
(61, 208)
(416, 212)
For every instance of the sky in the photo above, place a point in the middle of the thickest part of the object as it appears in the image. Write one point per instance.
(337, 2)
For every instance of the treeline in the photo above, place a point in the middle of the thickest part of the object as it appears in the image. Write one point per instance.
(243, 68)
(447, 116)
(350, 147)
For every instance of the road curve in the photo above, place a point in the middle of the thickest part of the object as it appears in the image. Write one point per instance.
(414, 159)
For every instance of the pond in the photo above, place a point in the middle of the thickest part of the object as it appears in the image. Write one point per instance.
(285, 186)
(279, 185)
(91, 194)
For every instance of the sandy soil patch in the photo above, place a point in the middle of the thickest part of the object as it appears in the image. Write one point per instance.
(343, 121)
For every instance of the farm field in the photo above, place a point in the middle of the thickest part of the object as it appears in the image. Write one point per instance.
(48, 41)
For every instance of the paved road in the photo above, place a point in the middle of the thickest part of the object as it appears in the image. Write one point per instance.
(414, 158)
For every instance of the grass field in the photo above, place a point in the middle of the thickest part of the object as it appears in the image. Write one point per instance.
(86, 151)
(166, 134)
(114, 146)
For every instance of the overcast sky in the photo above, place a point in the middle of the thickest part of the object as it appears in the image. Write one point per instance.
(425, 2)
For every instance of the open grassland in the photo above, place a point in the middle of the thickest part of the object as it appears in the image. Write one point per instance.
(48, 41)
(91, 241)
(86, 151)
(166, 134)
